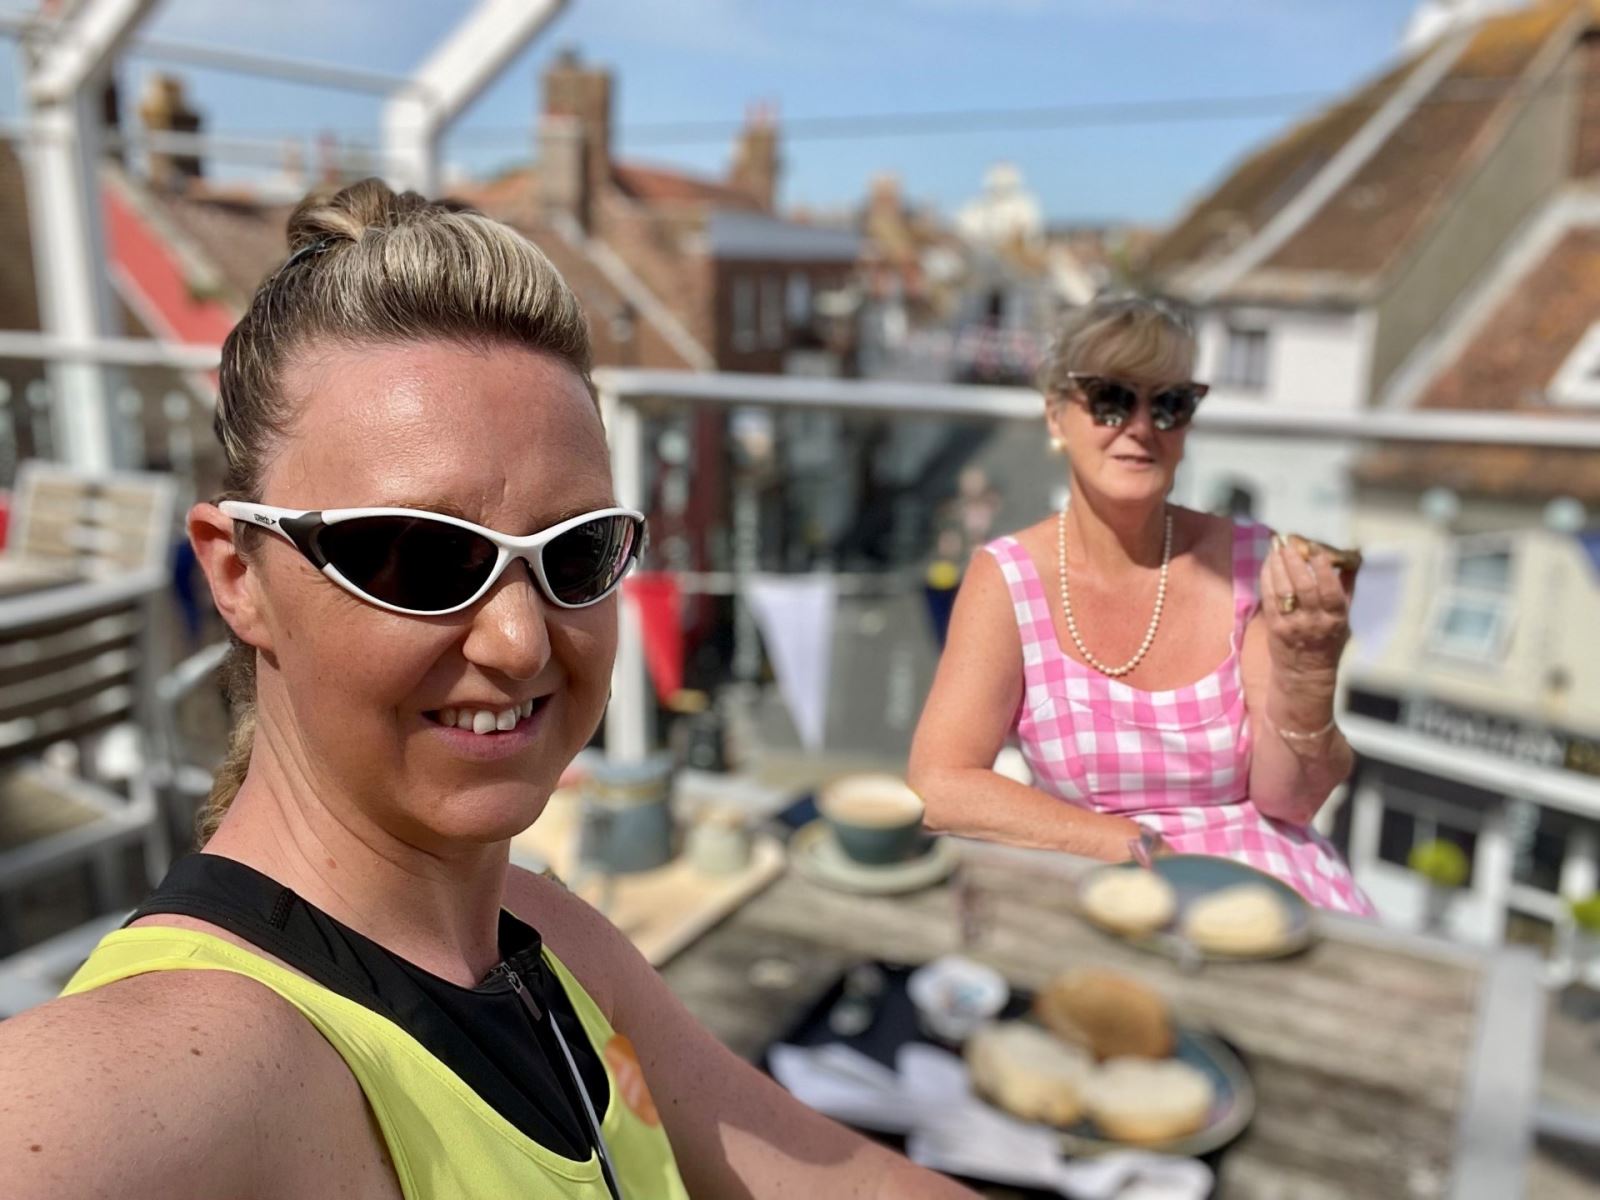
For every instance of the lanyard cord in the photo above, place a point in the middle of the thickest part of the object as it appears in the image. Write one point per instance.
(601, 1149)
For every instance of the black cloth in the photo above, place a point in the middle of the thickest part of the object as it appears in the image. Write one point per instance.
(484, 1034)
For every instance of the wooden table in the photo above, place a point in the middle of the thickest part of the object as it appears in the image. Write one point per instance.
(1386, 1065)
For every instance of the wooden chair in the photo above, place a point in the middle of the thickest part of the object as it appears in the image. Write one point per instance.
(75, 661)
(66, 524)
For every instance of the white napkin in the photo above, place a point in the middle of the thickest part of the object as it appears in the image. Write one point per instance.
(929, 1098)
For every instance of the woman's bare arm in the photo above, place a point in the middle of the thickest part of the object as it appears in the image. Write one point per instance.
(1290, 664)
(970, 710)
(191, 1083)
(737, 1135)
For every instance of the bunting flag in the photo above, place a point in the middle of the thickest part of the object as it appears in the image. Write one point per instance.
(1375, 606)
(795, 615)
(659, 601)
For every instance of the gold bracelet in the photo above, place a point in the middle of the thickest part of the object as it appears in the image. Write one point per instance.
(1290, 735)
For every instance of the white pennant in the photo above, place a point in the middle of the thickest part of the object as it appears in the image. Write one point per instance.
(795, 614)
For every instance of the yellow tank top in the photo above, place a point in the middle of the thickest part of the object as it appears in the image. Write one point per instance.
(445, 1141)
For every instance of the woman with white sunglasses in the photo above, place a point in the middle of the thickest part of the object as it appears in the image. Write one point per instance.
(350, 992)
(1124, 645)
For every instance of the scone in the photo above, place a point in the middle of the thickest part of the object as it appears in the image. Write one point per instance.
(1137, 1100)
(1246, 919)
(1109, 1014)
(1341, 560)
(1029, 1073)
(1128, 901)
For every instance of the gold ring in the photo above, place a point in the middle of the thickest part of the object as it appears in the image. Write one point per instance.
(1288, 602)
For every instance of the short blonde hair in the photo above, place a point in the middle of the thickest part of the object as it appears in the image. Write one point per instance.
(1138, 336)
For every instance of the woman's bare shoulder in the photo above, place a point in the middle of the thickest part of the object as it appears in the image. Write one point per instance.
(1038, 539)
(597, 953)
(173, 1082)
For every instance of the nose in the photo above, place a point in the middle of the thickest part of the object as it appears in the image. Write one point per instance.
(1141, 421)
(510, 630)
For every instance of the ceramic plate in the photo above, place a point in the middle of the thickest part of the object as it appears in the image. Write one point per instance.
(815, 853)
(1231, 1111)
(1195, 875)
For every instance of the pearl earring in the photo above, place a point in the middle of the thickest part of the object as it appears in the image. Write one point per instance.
(1057, 445)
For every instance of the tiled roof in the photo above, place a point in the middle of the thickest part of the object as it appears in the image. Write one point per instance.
(241, 237)
(658, 185)
(1586, 152)
(1253, 192)
(1511, 360)
(1510, 364)
(1368, 224)
(1527, 474)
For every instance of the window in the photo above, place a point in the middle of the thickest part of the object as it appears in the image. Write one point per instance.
(1244, 359)
(1412, 821)
(1578, 381)
(772, 311)
(1539, 839)
(1472, 620)
(798, 300)
(744, 314)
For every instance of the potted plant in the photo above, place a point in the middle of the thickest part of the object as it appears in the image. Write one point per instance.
(1443, 865)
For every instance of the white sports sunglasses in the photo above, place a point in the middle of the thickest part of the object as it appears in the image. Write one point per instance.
(422, 563)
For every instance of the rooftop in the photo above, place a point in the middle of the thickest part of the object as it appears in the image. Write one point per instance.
(1357, 235)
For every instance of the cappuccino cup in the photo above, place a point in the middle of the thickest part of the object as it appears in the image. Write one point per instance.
(876, 819)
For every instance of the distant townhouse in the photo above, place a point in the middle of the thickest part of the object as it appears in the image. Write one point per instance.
(1433, 240)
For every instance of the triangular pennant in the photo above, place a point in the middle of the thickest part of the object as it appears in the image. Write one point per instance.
(659, 602)
(795, 615)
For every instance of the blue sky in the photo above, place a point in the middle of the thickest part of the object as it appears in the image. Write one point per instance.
(706, 60)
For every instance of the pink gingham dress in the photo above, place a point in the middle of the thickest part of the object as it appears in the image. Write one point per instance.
(1177, 762)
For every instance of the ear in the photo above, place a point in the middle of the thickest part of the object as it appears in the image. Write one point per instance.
(1055, 411)
(233, 580)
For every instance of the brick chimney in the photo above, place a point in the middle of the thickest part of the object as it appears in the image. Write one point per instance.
(165, 109)
(755, 158)
(574, 137)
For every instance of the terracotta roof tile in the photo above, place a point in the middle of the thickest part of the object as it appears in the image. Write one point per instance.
(1512, 360)
(1509, 365)
(1374, 217)
(658, 185)
(1586, 152)
(1521, 473)
(242, 237)
(1253, 192)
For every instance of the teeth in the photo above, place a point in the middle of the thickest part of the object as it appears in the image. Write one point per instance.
(485, 720)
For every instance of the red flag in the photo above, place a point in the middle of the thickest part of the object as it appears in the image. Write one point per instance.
(656, 596)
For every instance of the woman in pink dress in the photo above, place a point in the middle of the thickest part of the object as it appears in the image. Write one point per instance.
(1124, 644)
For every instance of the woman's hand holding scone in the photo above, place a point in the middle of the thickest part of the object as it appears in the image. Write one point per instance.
(1305, 603)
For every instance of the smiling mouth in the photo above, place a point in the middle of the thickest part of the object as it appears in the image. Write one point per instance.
(1133, 458)
(488, 722)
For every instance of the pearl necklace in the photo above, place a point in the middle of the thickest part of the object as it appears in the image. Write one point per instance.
(1155, 618)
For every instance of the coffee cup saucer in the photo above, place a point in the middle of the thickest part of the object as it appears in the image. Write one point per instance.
(815, 853)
